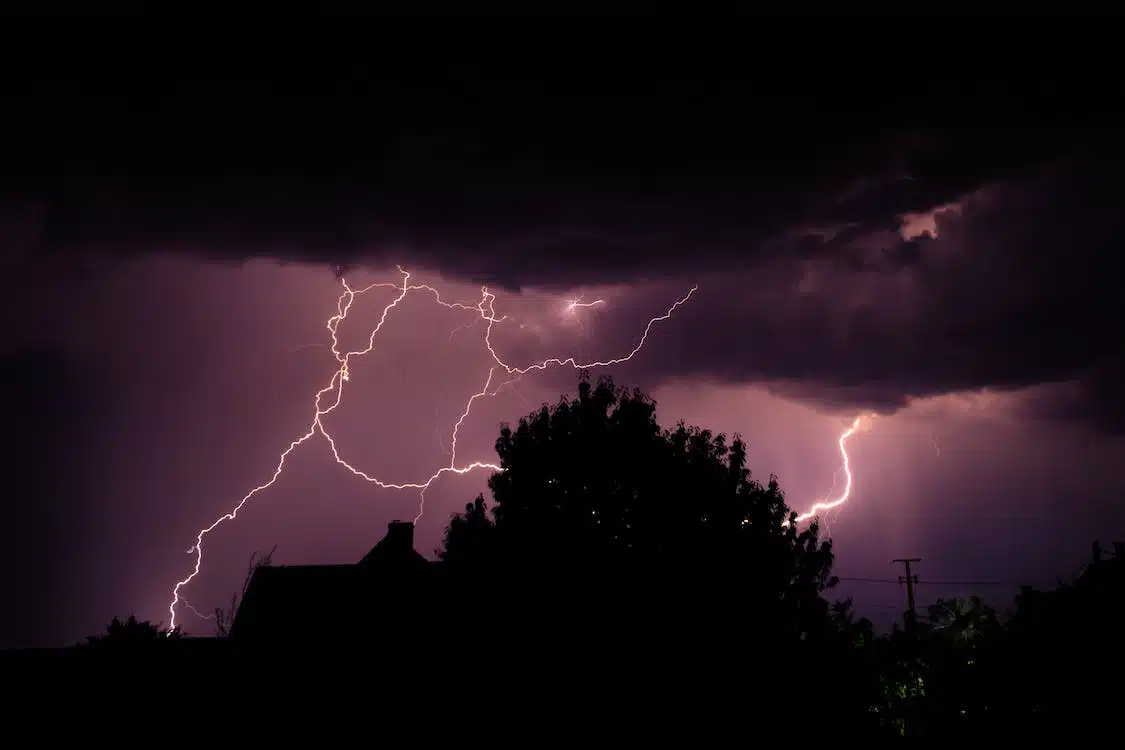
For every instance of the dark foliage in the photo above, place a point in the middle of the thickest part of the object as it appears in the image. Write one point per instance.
(593, 484)
(627, 535)
(597, 479)
(132, 633)
(1049, 669)
(224, 618)
(620, 559)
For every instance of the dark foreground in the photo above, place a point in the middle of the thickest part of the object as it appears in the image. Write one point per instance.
(468, 685)
(675, 662)
(473, 686)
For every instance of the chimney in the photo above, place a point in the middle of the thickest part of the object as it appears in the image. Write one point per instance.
(400, 537)
(397, 546)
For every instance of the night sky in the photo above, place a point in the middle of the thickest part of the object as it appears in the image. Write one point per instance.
(915, 220)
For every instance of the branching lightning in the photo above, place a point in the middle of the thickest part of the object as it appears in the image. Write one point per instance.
(328, 398)
(574, 304)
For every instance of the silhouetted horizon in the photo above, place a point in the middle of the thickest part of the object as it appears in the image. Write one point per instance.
(612, 547)
(840, 300)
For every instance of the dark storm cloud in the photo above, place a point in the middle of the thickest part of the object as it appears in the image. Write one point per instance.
(542, 230)
(518, 166)
(515, 165)
(1096, 398)
(1020, 287)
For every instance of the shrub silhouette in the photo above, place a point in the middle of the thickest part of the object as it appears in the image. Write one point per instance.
(131, 633)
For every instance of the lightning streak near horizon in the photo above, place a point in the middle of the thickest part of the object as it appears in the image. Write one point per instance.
(818, 508)
(328, 398)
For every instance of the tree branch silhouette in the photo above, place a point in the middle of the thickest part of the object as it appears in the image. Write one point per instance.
(224, 618)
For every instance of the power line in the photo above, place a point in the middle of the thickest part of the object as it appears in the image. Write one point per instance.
(910, 579)
(973, 583)
(876, 605)
(935, 583)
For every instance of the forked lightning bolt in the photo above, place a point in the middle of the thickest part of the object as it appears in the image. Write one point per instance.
(574, 304)
(327, 399)
(818, 508)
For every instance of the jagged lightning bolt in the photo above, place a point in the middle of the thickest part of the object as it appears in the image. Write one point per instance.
(328, 398)
(818, 508)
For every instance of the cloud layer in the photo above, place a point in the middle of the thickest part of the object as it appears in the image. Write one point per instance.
(794, 202)
(1014, 290)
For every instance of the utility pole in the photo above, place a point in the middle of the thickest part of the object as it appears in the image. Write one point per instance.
(914, 723)
(909, 579)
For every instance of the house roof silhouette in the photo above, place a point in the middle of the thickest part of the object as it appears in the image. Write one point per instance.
(307, 602)
(396, 551)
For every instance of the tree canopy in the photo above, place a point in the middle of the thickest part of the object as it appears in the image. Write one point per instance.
(131, 633)
(594, 482)
(647, 560)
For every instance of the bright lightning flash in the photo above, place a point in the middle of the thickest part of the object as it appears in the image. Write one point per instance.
(819, 508)
(327, 399)
(575, 304)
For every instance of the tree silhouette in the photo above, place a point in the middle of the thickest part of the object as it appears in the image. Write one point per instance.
(593, 483)
(1063, 647)
(469, 537)
(224, 617)
(962, 620)
(131, 633)
(859, 631)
